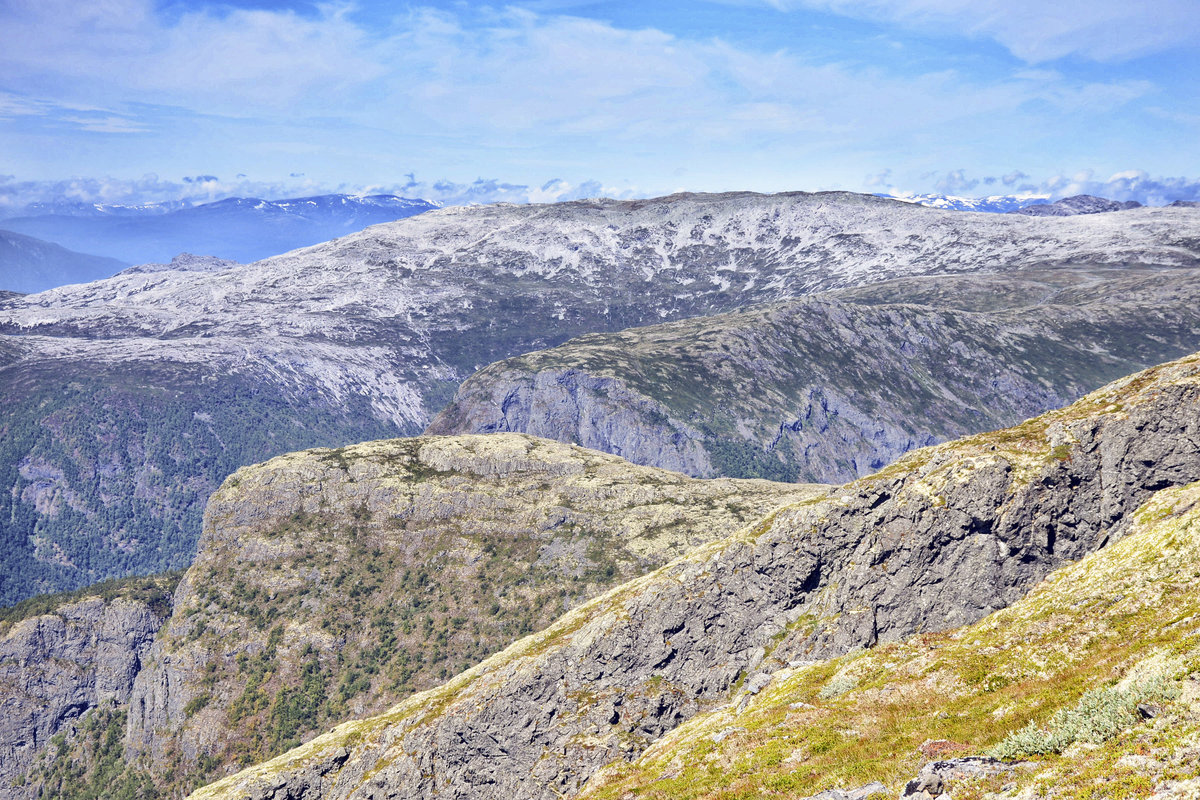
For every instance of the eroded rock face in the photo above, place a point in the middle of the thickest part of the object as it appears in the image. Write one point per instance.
(838, 385)
(331, 583)
(938, 540)
(55, 667)
(572, 405)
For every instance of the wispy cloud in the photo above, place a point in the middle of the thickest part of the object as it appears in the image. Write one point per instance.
(483, 73)
(107, 124)
(1033, 30)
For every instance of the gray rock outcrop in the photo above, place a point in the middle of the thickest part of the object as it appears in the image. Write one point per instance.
(56, 667)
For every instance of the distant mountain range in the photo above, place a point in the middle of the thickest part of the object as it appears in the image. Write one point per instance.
(238, 229)
(1029, 205)
(996, 204)
(1079, 204)
(30, 265)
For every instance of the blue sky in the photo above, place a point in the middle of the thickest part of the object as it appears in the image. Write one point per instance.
(130, 100)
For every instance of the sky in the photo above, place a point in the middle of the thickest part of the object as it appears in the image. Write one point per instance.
(540, 100)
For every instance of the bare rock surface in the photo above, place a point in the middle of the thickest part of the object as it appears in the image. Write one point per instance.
(55, 667)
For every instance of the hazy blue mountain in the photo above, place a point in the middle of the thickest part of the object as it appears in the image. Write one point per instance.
(995, 204)
(1079, 204)
(30, 265)
(238, 228)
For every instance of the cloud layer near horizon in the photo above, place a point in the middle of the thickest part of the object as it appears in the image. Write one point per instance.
(16, 196)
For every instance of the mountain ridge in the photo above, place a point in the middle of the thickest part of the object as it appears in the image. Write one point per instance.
(844, 381)
(28, 264)
(936, 541)
(240, 229)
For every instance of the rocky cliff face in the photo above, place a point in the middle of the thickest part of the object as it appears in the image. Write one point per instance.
(1088, 685)
(939, 539)
(377, 329)
(835, 386)
(57, 666)
(331, 583)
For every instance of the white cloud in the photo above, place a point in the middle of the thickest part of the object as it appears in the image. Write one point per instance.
(486, 75)
(122, 49)
(1033, 30)
(107, 124)
(955, 182)
(15, 195)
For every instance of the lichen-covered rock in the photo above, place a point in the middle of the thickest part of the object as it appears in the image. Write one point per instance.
(938, 540)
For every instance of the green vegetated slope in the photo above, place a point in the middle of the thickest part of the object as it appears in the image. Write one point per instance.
(837, 385)
(331, 583)
(105, 468)
(1054, 679)
(937, 541)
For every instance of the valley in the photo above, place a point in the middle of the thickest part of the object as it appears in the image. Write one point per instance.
(370, 336)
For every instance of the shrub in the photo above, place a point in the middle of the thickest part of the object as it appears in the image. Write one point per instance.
(1099, 715)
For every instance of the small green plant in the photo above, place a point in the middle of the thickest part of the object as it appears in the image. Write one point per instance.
(197, 703)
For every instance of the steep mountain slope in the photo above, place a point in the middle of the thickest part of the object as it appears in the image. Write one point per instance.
(107, 464)
(941, 539)
(237, 228)
(839, 384)
(66, 655)
(376, 330)
(1073, 659)
(331, 583)
(30, 265)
